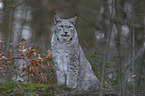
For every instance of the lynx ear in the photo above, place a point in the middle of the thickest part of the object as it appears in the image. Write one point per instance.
(73, 20)
(56, 19)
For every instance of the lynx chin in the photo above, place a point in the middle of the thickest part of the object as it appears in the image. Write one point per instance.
(72, 67)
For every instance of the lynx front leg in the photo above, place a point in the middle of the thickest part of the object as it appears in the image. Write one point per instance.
(72, 78)
(59, 71)
(72, 73)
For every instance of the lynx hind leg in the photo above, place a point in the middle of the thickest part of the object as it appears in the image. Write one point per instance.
(60, 78)
(90, 82)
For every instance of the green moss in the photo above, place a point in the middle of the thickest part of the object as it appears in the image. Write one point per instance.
(22, 88)
(34, 87)
(6, 86)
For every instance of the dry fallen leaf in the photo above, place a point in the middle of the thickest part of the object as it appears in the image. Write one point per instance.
(133, 76)
(22, 40)
(12, 6)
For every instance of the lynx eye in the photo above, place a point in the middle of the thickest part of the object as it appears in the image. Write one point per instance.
(61, 26)
(69, 26)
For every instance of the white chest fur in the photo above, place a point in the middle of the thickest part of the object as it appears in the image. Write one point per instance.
(62, 60)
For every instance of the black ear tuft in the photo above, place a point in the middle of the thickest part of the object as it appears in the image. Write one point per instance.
(56, 19)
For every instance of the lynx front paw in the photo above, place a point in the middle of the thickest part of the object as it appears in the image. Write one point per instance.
(71, 83)
(60, 78)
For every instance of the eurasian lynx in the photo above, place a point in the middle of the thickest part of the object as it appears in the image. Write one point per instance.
(72, 67)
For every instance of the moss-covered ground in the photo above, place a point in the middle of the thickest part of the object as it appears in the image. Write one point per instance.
(22, 89)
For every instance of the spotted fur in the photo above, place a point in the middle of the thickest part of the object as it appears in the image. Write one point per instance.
(72, 67)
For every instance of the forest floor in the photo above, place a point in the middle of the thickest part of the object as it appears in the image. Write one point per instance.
(22, 89)
(96, 93)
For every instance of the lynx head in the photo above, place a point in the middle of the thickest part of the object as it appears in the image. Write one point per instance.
(64, 29)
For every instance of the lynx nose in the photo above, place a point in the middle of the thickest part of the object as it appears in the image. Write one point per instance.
(65, 33)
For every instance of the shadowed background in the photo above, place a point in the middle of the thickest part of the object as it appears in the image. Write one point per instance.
(117, 26)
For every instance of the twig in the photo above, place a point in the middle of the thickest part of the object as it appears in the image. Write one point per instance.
(107, 48)
(10, 27)
(133, 51)
(23, 22)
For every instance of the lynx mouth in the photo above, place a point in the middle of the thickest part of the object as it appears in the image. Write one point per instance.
(65, 35)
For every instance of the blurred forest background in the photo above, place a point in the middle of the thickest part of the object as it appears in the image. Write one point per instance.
(112, 33)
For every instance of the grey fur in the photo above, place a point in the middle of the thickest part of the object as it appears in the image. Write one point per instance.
(72, 67)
